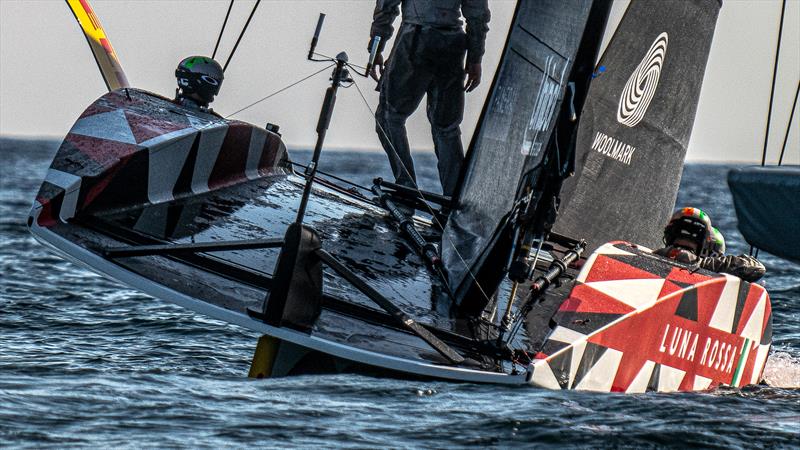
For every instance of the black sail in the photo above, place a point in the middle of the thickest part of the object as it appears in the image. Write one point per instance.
(515, 127)
(636, 123)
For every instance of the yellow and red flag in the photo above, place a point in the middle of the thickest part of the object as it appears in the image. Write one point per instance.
(103, 52)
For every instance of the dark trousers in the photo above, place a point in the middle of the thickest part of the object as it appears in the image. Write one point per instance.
(424, 61)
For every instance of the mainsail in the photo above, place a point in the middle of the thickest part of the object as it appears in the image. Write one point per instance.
(515, 126)
(636, 123)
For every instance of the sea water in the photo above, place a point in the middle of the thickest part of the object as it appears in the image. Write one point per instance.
(87, 362)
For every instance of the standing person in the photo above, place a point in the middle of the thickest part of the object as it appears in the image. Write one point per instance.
(428, 58)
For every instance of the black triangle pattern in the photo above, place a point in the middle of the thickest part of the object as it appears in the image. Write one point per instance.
(652, 385)
(591, 354)
(687, 308)
(551, 346)
(561, 365)
(741, 298)
(680, 283)
(649, 265)
(585, 323)
(173, 218)
(184, 182)
(128, 183)
(766, 335)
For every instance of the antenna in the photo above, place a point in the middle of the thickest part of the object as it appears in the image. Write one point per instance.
(315, 39)
(319, 57)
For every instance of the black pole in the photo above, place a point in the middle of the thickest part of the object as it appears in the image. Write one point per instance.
(339, 74)
(772, 90)
(239, 39)
(222, 30)
(176, 249)
(425, 249)
(789, 125)
(315, 39)
(400, 315)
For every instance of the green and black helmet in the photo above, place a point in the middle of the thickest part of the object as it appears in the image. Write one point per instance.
(717, 245)
(199, 75)
(689, 224)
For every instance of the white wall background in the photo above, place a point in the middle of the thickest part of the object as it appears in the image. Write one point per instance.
(48, 76)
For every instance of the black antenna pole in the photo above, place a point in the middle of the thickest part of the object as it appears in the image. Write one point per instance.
(340, 74)
(789, 125)
(772, 91)
(246, 24)
(315, 39)
(222, 30)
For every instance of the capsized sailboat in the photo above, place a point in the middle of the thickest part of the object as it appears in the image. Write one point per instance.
(535, 272)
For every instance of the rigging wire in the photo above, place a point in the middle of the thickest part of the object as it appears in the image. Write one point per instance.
(789, 125)
(222, 30)
(330, 175)
(772, 91)
(771, 98)
(239, 39)
(422, 196)
(279, 91)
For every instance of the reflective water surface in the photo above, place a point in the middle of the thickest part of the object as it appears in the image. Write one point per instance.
(87, 362)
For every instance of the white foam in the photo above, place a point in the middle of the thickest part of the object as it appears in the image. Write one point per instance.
(782, 370)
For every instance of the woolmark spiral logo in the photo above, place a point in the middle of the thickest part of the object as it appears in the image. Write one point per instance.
(641, 86)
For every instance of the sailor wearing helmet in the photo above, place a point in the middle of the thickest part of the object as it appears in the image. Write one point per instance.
(690, 239)
(199, 80)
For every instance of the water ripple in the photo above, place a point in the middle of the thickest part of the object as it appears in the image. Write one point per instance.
(86, 362)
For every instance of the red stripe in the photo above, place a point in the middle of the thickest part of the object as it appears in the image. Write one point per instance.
(680, 275)
(90, 13)
(232, 159)
(606, 269)
(46, 215)
(588, 300)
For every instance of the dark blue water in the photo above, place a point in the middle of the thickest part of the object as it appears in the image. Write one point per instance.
(86, 362)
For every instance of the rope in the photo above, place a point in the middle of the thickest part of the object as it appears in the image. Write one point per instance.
(279, 91)
(330, 175)
(222, 30)
(789, 125)
(422, 196)
(772, 90)
(239, 39)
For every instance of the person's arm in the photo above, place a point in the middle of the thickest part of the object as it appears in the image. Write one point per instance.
(745, 267)
(386, 11)
(382, 18)
(477, 16)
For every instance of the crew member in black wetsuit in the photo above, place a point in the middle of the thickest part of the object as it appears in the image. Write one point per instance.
(690, 239)
(428, 58)
(199, 80)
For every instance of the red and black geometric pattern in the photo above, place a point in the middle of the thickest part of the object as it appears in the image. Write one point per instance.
(637, 322)
(131, 148)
